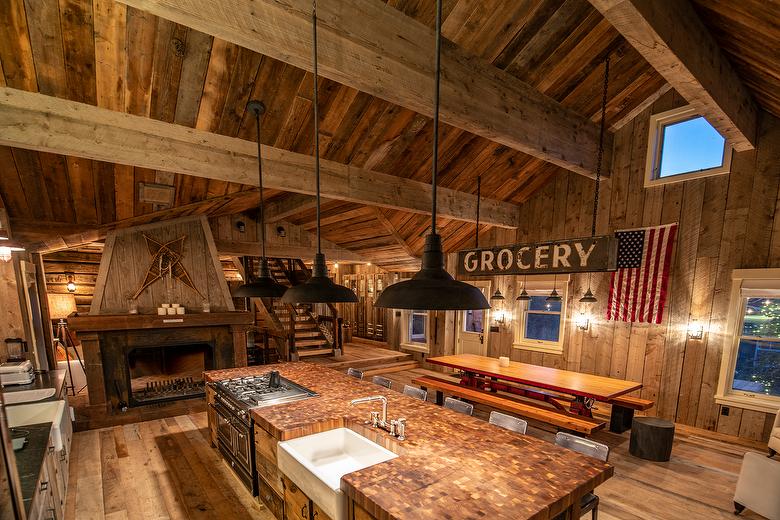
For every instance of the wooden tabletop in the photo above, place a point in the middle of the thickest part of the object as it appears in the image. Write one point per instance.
(450, 465)
(575, 383)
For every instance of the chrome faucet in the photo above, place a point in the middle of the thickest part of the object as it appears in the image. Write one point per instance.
(396, 427)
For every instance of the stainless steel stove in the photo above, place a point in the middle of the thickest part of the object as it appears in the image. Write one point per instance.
(233, 398)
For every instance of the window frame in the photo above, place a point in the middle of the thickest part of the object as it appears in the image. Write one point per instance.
(538, 287)
(655, 147)
(726, 395)
(406, 342)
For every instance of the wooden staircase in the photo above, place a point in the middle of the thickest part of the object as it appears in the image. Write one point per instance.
(306, 335)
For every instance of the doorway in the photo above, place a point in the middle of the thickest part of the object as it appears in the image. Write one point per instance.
(472, 326)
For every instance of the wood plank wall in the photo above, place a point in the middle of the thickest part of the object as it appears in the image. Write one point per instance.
(726, 222)
(83, 266)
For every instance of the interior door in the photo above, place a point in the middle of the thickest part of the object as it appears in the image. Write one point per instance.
(473, 326)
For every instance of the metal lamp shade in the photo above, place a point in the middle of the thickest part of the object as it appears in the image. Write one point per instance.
(554, 296)
(588, 297)
(523, 296)
(432, 288)
(497, 296)
(261, 287)
(319, 288)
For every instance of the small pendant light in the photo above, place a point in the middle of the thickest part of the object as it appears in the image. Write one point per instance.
(433, 288)
(319, 288)
(554, 296)
(264, 286)
(588, 297)
(523, 296)
(497, 296)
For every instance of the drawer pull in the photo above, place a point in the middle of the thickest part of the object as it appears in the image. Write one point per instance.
(305, 511)
(44, 485)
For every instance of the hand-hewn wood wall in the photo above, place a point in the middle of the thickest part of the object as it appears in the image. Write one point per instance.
(726, 222)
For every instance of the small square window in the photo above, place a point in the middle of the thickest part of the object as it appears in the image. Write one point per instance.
(541, 319)
(682, 145)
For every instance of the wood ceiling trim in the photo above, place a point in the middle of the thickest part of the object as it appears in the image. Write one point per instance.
(377, 49)
(48, 124)
(288, 206)
(380, 216)
(672, 38)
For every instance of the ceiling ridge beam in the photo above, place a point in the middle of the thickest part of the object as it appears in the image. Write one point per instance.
(48, 124)
(375, 48)
(673, 39)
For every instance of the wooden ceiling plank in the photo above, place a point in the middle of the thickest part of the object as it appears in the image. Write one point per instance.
(672, 38)
(110, 25)
(370, 46)
(78, 42)
(124, 191)
(141, 29)
(382, 218)
(288, 206)
(15, 50)
(193, 76)
(43, 123)
(43, 18)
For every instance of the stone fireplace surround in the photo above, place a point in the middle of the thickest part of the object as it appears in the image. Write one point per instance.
(106, 340)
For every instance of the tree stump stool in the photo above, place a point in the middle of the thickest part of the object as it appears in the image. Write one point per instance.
(651, 438)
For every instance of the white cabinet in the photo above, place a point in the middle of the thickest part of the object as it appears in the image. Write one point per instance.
(52, 488)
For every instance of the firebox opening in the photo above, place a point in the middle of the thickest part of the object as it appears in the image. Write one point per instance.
(167, 373)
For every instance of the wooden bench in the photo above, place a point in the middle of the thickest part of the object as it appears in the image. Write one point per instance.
(539, 413)
(623, 412)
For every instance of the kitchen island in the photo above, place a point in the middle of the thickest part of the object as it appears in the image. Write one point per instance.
(449, 466)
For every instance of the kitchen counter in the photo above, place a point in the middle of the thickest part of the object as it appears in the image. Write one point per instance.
(450, 465)
(51, 379)
(29, 459)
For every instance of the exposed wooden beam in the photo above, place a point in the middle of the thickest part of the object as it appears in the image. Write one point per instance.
(641, 107)
(305, 252)
(672, 38)
(44, 123)
(382, 218)
(377, 49)
(288, 206)
(52, 237)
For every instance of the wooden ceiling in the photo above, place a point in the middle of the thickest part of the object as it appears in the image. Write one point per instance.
(105, 54)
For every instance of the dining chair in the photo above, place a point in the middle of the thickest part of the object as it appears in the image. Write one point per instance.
(382, 381)
(459, 406)
(597, 450)
(417, 393)
(354, 372)
(508, 422)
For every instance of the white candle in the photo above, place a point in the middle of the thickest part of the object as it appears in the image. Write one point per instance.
(503, 361)
(171, 310)
(161, 311)
(179, 310)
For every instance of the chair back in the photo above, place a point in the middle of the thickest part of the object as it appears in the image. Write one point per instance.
(508, 422)
(585, 446)
(459, 406)
(417, 393)
(382, 381)
(354, 372)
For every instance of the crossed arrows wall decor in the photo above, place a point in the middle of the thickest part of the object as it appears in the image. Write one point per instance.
(166, 261)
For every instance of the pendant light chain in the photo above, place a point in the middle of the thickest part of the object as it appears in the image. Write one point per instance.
(476, 234)
(316, 120)
(260, 183)
(600, 155)
(437, 81)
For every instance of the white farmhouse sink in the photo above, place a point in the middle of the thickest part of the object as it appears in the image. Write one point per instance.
(54, 412)
(317, 462)
(27, 396)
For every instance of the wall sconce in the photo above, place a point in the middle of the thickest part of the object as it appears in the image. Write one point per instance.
(582, 321)
(336, 265)
(499, 316)
(695, 330)
(241, 226)
(71, 285)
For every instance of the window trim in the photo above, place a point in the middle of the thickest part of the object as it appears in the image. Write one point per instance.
(655, 144)
(543, 285)
(405, 343)
(725, 394)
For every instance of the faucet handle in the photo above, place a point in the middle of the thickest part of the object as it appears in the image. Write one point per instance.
(400, 428)
(374, 419)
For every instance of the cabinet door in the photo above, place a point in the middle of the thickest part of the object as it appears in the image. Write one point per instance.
(297, 505)
(317, 513)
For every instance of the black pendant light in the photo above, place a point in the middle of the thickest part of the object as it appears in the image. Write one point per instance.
(523, 296)
(497, 296)
(433, 288)
(319, 288)
(589, 297)
(264, 286)
(554, 296)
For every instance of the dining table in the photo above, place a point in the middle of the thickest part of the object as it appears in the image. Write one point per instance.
(551, 385)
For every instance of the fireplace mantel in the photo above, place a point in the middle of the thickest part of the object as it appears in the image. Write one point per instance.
(109, 322)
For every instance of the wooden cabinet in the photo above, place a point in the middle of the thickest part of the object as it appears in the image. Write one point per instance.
(355, 512)
(270, 487)
(317, 513)
(212, 415)
(297, 505)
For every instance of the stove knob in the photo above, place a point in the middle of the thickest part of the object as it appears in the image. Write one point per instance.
(241, 413)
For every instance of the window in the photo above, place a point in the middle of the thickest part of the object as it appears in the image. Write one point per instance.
(540, 321)
(750, 368)
(415, 333)
(683, 145)
(474, 321)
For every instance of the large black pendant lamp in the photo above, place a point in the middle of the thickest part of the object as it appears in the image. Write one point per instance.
(319, 288)
(264, 286)
(433, 288)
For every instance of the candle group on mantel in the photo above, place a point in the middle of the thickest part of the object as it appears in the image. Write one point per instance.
(170, 308)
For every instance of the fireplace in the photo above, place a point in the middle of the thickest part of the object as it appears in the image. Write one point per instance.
(138, 360)
(167, 372)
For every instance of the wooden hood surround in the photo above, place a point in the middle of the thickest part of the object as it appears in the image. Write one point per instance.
(127, 259)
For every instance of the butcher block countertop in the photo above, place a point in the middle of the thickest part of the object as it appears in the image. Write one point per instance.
(450, 465)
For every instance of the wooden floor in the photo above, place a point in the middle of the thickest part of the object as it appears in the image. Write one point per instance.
(165, 468)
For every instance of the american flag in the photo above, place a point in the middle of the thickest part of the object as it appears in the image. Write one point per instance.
(637, 291)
